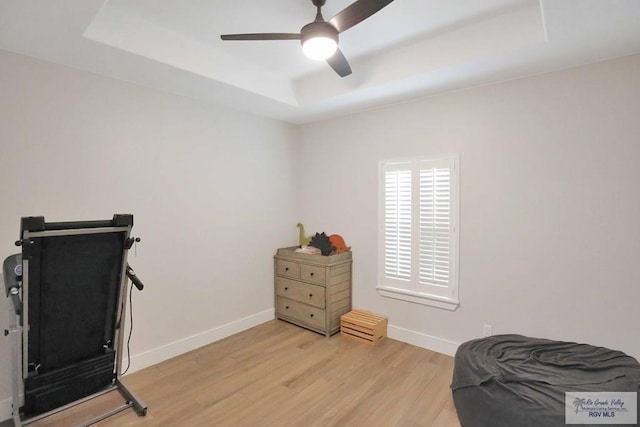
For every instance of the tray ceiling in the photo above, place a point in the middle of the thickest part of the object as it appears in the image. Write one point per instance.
(410, 48)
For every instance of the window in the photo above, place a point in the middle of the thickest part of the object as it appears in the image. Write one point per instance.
(418, 259)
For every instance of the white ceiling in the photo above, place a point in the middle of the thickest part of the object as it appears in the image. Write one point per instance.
(410, 48)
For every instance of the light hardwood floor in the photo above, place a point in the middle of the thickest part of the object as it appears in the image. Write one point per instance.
(278, 374)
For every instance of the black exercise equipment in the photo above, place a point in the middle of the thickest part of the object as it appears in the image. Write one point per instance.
(67, 298)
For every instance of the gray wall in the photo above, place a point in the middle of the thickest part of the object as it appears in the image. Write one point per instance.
(211, 190)
(549, 204)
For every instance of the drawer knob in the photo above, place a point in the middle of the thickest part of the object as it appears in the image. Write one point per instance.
(311, 315)
(286, 269)
(310, 295)
(286, 289)
(311, 274)
(286, 307)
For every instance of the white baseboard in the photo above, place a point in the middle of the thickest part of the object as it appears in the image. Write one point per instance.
(422, 340)
(160, 354)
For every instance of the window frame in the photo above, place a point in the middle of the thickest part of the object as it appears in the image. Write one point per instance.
(411, 290)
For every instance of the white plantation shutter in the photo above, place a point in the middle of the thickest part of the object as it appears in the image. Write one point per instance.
(419, 230)
(397, 221)
(435, 223)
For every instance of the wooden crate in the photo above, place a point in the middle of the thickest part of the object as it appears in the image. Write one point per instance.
(363, 326)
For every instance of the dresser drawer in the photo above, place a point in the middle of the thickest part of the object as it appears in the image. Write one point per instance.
(313, 273)
(300, 312)
(298, 291)
(288, 269)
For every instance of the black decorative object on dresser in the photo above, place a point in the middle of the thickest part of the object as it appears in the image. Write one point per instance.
(312, 291)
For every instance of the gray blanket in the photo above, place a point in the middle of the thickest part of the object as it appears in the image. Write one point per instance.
(516, 381)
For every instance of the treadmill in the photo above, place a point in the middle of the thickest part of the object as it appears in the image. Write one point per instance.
(66, 293)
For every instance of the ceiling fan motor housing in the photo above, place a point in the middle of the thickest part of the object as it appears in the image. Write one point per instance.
(318, 29)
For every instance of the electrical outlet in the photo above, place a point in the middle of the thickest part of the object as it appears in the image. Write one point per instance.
(487, 330)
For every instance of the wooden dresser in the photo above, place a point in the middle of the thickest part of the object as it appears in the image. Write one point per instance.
(312, 291)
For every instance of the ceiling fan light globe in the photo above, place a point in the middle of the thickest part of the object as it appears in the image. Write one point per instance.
(319, 48)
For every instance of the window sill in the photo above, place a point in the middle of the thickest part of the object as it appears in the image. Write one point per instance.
(419, 298)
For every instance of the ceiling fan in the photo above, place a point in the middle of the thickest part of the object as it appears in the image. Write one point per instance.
(320, 38)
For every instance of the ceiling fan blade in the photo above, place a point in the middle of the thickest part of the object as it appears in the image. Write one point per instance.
(261, 36)
(339, 64)
(357, 12)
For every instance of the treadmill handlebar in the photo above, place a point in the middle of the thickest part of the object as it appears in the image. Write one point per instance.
(134, 279)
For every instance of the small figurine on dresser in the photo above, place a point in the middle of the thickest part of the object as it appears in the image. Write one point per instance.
(321, 243)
